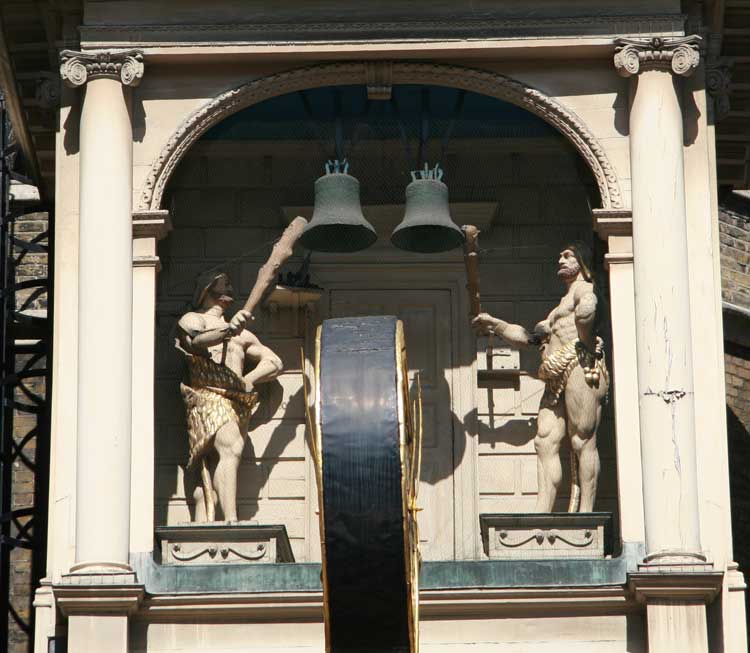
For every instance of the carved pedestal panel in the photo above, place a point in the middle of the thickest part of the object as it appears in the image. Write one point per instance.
(223, 543)
(530, 536)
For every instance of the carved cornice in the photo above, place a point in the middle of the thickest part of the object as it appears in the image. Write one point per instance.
(470, 79)
(343, 30)
(681, 56)
(718, 81)
(76, 68)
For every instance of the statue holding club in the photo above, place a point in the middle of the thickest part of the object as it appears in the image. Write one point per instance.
(225, 362)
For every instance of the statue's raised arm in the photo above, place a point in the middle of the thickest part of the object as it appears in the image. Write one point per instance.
(225, 362)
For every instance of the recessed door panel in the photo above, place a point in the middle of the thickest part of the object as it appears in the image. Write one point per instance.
(426, 315)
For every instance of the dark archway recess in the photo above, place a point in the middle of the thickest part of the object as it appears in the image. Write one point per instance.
(482, 82)
(433, 124)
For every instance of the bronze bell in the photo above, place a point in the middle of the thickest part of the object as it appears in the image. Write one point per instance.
(427, 225)
(337, 223)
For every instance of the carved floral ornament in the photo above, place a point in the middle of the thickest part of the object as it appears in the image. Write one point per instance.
(718, 85)
(681, 56)
(76, 68)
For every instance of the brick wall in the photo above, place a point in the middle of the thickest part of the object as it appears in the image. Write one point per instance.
(26, 565)
(734, 226)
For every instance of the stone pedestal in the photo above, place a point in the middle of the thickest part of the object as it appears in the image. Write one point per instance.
(223, 543)
(535, 536)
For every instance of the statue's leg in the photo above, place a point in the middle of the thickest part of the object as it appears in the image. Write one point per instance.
(583, 406)
(200, 505)
(203, 477)
(229, 442)
(549, 435)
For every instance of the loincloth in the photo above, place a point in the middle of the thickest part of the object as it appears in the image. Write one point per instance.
(558, 366)
(215, 396)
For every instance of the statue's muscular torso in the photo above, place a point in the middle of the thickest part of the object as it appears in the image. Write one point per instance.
(561, 325)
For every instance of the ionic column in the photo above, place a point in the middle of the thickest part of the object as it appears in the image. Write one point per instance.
(104, 305)
(675, 581)
(100, 592)
(662, 298)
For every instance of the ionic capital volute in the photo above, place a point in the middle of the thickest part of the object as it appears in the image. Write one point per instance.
(77, 68)
(680, 56)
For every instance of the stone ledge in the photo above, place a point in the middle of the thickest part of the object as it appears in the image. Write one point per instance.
(151, 224)
(98, 576)
(471, 602)
(695, 586)
(434, 575)
(612, 222)
(122, 599)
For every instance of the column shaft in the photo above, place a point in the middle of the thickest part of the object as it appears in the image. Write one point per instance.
(104, 326)
(106, 633)
(662, 310)
(676, 626)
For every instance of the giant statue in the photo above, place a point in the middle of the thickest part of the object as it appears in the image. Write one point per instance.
(576, 380)
(225, 362)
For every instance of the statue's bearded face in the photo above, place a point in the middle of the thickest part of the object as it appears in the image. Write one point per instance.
(222, 291)
(567, 265)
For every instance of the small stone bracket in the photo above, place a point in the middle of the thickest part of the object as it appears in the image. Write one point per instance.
(609, 222)
(151, 224)
(379, 77)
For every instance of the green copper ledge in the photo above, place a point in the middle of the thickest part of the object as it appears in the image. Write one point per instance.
(305, 577)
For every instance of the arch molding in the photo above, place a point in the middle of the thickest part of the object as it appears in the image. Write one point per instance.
(336, 74)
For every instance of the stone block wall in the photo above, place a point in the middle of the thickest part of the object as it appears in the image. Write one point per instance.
(230, 200)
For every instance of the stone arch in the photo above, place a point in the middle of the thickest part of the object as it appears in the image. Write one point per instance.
(337, 74)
